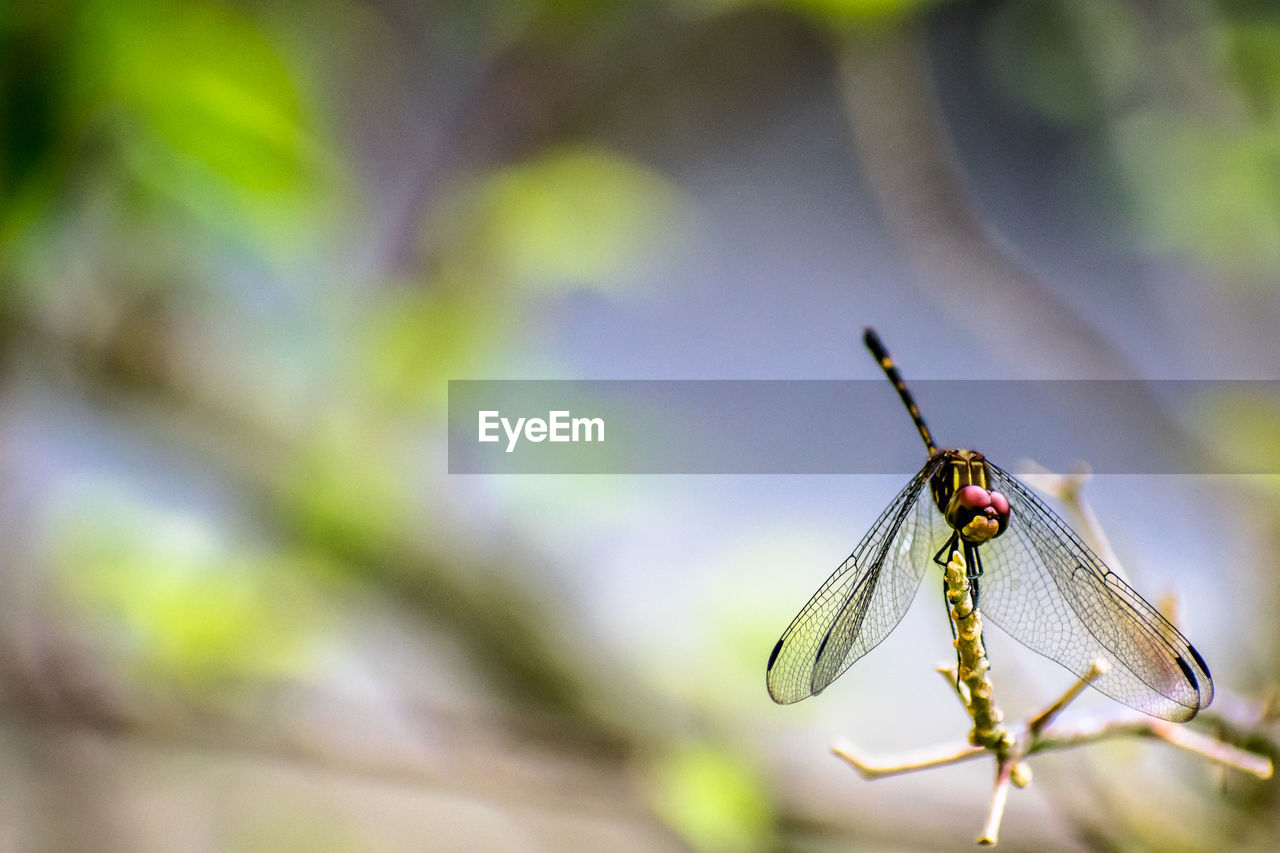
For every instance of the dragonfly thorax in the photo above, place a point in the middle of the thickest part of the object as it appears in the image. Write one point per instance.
(961, 492)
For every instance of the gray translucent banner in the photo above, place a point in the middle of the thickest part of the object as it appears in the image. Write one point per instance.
(859, 426)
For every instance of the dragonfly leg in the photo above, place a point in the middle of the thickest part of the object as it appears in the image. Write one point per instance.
(942, 558)
(944, 553)
(973, 569)
(954, 636)
(946, 603)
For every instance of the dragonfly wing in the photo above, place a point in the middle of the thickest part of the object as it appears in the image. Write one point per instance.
(1047, 589)
(863, 601)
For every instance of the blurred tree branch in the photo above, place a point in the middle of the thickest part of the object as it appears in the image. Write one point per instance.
(901, 144)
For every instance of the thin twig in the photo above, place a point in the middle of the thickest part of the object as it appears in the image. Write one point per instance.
(1096, 670)
(909, 762)
(991, 829)
(1087, 732)
(952, 677)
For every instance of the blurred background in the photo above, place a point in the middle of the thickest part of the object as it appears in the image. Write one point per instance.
(243, 247)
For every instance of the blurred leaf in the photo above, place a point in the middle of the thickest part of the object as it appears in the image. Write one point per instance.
(577, 218)
(415, 340)
(712, 799)
(32, 76)
(563, 22)
(1201, 184)
(729, 641)
(1255, 54)
(839, 13)
(345, 491)
(206, 112)
(176, 601)
(1070, 61)
(573, 218)
(296, 823)
(1243, 429)
(1213, 194)
(857, 11)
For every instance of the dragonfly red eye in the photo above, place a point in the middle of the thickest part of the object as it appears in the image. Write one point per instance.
(978, 514)
(975, 497)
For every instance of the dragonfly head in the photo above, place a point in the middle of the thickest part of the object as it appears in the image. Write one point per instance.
(978, 514)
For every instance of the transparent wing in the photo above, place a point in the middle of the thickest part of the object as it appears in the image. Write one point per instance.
(1044, 586)
(863, 601)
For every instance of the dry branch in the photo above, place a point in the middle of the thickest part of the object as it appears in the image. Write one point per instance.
(1011, 746)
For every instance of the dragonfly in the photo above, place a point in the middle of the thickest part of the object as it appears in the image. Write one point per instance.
(1029, 572)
